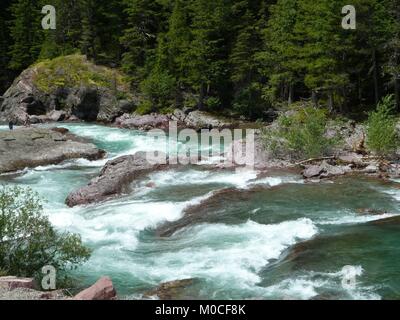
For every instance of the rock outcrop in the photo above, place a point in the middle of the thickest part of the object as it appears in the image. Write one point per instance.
(31, 147)
(325, 170)
(145, 122)
(15, 288)
(103, 289)
(12, 283)
(66, 87)
(196, 120)
(114, 179)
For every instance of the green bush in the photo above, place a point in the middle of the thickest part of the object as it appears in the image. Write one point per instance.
(28, 241)
(159, 90)
(301, 134)
(382, 135)
(145, 107)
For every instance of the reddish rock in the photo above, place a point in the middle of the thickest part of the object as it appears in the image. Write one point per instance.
(103, 289)
(12, 283)
(151, 185)
(114, 179)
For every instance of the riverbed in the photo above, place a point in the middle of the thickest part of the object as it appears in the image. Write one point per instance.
(282, 239)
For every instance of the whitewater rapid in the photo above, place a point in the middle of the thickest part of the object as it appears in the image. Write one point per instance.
(229, 258)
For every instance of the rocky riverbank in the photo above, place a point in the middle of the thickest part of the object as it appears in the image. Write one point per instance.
(31, 147)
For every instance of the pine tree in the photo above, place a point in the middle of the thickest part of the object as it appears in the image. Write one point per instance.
(209, 50)
(5, 40)
(280, 58)
(66, 38)
(26, 33)
(393, 48)
(245, 75)
(145, 20)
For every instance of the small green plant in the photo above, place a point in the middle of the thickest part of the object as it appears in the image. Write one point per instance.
(29, 242)
(145, 107)
(301, 134)
(382, 137)
(212, 103)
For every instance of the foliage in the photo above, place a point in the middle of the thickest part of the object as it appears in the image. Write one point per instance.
(158, 89)
(28, 241)
(250, 55)
(382, 136)
(300, 134)
(75, 70)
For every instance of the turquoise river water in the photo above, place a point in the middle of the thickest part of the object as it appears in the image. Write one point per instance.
(285, 239)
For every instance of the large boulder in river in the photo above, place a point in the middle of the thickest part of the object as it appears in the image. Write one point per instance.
(31, 147)
(114, 179)
(324, 170)
(71, 85)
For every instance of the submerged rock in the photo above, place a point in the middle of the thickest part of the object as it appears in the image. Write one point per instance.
(392, 221)
(169, 290)
(114, 179)
(206, 209)
(368, 211)
(31, 147)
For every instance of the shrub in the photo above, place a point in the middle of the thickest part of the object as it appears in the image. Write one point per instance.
(28, 241)
(382, 135)
(145, 107)
(212, 103)
(301, 134)
(159, 90)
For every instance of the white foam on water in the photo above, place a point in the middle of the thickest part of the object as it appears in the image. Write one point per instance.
(355, 219)
(197, 177)
(307, 286)
(395, 193)
(276, 181)
(230, 256)
(119, 221)
(241, 179)
(293, 289)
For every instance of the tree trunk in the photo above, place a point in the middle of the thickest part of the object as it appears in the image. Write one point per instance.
(376, 77)
(201, 97)
(290, 97)
(314, 98)
(330, 101)
(397, 92)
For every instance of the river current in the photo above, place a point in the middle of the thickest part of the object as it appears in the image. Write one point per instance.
(280, 238)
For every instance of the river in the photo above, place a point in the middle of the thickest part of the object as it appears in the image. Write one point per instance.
(243, 247)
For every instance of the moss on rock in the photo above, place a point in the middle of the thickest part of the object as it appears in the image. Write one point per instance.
(75, 71)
